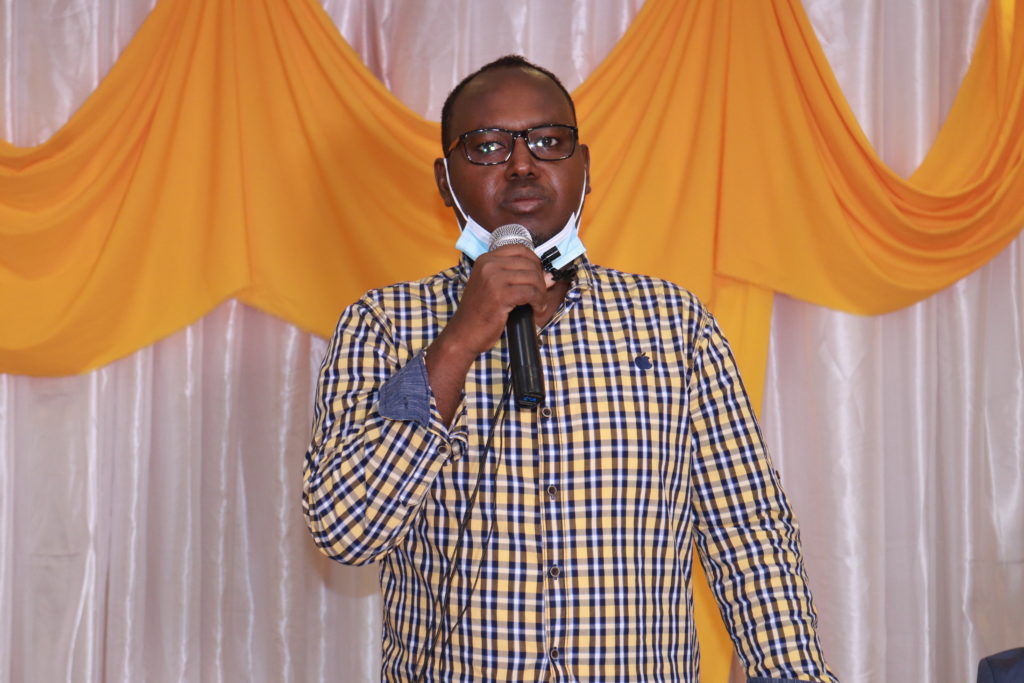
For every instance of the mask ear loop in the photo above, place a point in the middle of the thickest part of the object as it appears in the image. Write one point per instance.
(547, 254)
(548, 251)
(583, 197)
(451, 191)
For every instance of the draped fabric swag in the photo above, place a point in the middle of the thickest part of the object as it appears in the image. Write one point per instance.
(246, 140)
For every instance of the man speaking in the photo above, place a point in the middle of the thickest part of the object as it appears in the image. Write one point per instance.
(544, 531)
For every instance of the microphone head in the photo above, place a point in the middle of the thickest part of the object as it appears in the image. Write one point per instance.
(510, 233)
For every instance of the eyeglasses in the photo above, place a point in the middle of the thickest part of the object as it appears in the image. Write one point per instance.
(491, 146)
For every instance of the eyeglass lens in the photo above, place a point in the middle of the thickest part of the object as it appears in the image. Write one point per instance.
(548, 143)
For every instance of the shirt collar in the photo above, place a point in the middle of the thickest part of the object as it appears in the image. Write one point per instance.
(582, 281)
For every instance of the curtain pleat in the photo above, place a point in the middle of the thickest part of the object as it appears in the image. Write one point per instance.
(249, 139)
(900, 437)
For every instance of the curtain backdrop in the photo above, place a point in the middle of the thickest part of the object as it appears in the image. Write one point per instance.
(150, 527)
(900, 437)
(249, 139)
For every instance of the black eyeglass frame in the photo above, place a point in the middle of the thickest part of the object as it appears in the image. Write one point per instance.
(516, 134)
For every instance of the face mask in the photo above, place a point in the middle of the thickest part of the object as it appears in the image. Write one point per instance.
(556, 253)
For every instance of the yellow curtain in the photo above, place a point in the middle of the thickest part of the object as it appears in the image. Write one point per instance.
(240, 148)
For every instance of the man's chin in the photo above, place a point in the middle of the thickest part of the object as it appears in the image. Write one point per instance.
(540, 235)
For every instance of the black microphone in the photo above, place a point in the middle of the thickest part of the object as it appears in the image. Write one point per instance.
(527, 379)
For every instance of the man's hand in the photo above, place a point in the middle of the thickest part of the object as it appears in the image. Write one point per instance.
(500, 280)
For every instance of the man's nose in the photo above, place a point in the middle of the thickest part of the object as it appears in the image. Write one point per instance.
(522, 161)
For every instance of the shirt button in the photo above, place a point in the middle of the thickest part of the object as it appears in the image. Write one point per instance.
(555, 572)
(545, 412)
(555, 654)
(552, 491)
(443, 449)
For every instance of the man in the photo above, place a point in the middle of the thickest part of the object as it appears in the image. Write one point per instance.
(548, 544)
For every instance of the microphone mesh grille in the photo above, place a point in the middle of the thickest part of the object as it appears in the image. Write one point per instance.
(511, 233)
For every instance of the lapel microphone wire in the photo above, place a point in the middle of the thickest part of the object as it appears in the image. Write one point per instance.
(443, 601)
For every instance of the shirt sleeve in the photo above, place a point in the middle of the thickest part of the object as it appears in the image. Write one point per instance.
(378, 441)
(747, 536)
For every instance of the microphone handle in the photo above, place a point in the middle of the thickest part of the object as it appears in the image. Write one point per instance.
(527, 379)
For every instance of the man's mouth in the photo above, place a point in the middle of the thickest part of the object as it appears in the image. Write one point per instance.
(524, 201)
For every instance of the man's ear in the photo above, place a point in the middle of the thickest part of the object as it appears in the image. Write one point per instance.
(442, 182)
(586, 164)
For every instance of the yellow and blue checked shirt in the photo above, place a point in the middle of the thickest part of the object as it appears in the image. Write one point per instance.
(575, 562)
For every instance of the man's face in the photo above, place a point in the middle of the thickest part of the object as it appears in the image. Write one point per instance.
(539, 195)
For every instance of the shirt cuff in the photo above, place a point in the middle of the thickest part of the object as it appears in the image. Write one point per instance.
(406, 394)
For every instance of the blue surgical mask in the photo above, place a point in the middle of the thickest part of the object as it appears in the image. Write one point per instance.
(475, 240)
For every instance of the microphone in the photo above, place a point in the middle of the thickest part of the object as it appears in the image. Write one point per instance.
(527, 379)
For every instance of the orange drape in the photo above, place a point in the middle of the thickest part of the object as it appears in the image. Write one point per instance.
(240, 148)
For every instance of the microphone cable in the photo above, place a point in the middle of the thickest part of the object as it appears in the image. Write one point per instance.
(443, 601)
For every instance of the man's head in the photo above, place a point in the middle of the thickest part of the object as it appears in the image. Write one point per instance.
(529, 189)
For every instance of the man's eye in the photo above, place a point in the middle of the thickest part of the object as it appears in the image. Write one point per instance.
(489, 147)
(547, 141)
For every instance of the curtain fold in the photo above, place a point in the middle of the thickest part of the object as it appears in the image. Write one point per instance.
(248, 139)
(899, 437)
(900, 239)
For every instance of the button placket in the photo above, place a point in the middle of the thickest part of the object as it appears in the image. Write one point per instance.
(549, 484)
(550, 489)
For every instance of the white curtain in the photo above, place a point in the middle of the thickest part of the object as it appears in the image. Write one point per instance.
(149, 518)
(900, 438)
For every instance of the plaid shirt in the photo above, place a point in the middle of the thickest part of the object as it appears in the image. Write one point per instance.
(575, 561)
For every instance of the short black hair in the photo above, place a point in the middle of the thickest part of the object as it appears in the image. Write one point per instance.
(506, 62)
